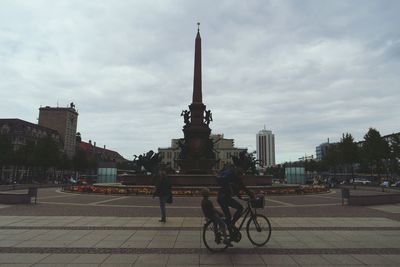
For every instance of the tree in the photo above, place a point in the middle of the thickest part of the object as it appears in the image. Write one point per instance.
(24, 157)
(64, 164)
(349, 152)
(84, 161)
(46, 155)
(277, 172)
(81, 160)
(332, 158)
(246, 161)
(6, 153)
(310, 165)
(394, 144)
(375, 150)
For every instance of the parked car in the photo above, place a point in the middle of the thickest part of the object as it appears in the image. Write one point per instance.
(363, 182)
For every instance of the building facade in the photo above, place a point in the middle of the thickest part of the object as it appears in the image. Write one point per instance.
(321, 151)
(20, 132)
(266, 148)
(64, 121)
(224, 150)
(101, 154)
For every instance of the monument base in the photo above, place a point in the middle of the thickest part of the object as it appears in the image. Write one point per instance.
(196, 166)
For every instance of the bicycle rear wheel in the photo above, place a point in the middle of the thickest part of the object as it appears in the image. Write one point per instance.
(213, 237)
(258, 230)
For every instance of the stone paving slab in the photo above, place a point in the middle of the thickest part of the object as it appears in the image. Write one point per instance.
(284, 239)
(77, 221)
(172, 237)
(395, 208)
(198, 260)
(367, 239)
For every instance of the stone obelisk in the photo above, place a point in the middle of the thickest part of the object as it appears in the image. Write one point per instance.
(197, 155)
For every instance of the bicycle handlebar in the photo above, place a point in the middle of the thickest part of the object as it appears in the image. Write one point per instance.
(244, 197)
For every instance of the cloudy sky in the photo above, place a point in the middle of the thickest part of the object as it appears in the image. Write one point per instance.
(307, 70)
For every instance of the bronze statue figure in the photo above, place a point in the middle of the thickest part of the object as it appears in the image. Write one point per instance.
(181, 144)
(208, 117)
(186, 116)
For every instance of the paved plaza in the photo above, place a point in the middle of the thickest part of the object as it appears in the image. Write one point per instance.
(66, 229)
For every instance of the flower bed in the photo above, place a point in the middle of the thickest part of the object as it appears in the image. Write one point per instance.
(117, 189)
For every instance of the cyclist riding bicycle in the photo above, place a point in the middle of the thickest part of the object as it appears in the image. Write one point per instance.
(231, 184)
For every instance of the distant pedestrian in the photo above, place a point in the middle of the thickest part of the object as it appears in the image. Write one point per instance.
(163, 191)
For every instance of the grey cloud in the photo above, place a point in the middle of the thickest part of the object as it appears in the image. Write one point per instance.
(307, 70)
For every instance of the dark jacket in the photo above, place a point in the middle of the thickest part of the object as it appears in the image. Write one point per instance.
(232, 186)
(163, 188)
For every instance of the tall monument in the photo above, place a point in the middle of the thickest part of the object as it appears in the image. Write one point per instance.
(197, 149)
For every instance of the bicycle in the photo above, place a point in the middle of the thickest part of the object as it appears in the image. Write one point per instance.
(258, 228)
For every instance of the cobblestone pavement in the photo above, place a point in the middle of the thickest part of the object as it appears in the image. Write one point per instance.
(100, 230)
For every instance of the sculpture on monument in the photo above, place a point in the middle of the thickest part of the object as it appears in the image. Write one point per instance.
(197, 152)
(147, 163)
(186, 116)
(208, 117)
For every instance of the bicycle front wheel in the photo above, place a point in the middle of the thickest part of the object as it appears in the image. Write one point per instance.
(258, 230)
(213, 237)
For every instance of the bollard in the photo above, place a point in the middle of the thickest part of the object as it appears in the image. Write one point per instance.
(345, 195)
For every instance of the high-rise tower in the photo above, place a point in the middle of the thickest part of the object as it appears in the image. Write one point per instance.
(266, 148)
